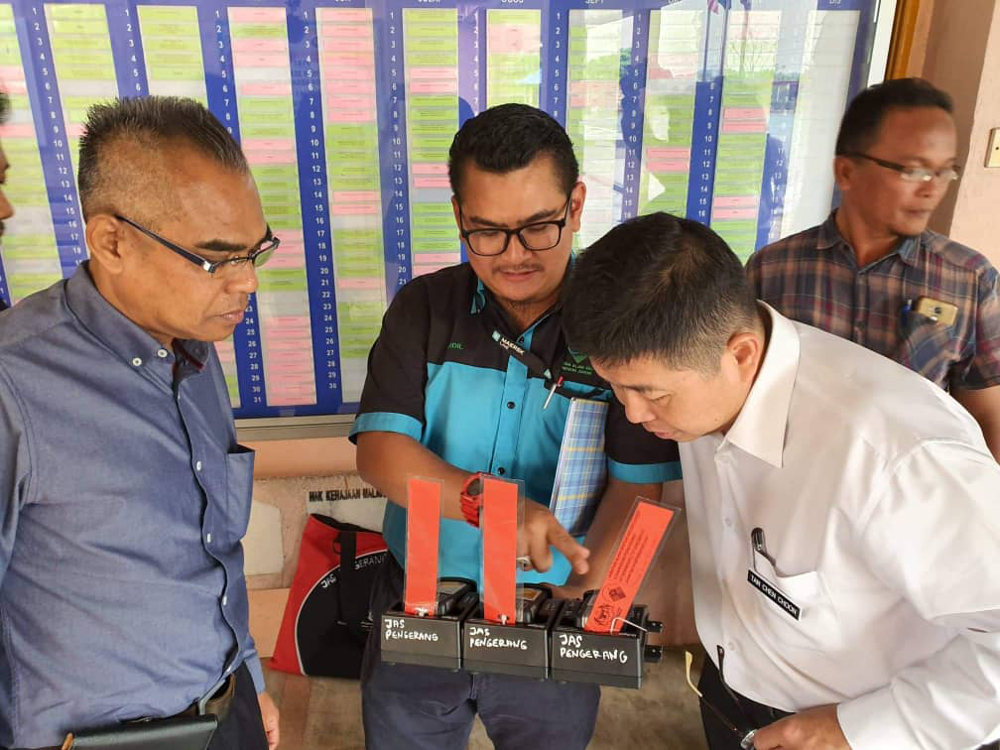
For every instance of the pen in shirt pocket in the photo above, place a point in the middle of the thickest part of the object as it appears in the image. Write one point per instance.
(760, 545)
(904, 313)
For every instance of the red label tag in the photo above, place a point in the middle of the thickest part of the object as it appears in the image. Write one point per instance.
(423, 524)
(632, 559)
(499, 525)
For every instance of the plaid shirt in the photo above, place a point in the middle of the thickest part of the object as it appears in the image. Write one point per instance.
(813, 277)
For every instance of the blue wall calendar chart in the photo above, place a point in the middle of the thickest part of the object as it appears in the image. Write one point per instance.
(725, 111)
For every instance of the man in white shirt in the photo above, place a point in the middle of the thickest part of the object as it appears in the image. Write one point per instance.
(842, 510)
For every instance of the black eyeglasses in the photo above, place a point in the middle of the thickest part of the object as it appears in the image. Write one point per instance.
(745, 736)
(257, 257)
(911, 174)
(536, 236)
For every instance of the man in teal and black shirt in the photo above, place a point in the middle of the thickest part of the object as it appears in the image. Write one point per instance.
(444, 399)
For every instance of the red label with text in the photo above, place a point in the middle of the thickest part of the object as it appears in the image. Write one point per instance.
(632, 559)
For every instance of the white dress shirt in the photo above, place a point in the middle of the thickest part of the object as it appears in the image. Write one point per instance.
(879, 504)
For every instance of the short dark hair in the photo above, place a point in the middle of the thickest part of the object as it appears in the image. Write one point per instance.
(508, 137)
(4, 107)
(151, 122)
(864, 115)
(659, 286)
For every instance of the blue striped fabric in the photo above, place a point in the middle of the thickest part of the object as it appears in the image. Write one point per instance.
(582, 469)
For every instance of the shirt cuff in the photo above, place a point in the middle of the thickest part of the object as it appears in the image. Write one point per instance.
(385, 421)
(256, 673)
(873, 721)
(645, 473)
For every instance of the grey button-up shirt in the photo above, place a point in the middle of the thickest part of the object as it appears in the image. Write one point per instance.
(123, 499)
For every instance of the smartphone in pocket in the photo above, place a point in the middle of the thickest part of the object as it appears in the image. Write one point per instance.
(940, 312)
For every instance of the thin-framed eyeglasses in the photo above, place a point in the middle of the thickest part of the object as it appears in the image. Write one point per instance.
(911, 174)
(257, 257)
(745, 735)
(536, 236)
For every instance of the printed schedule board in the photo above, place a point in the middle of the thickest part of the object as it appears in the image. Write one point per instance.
(722, 110)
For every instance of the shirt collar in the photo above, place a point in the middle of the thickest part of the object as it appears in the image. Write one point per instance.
(478, 297)
(907, 250)
(830, 237)
(119, 334)
(761, 425)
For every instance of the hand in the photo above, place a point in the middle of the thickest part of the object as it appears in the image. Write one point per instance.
(540, 531)
(814, 729)
(269, 713)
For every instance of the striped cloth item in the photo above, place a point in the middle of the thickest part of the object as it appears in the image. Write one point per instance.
(582, 468)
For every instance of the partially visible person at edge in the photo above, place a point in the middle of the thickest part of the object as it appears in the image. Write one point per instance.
(875, 274)
(842, 510)
(6, 209)
(443, 399)
(124, 492)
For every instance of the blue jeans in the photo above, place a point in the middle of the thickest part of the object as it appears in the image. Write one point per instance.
(423, 707)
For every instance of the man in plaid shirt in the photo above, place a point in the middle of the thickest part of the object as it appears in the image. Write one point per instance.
(873, 273)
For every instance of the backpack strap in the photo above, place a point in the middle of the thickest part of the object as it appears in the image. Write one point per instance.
(353, 602)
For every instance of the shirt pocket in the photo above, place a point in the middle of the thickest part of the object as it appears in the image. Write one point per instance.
(239, 490)
(818, 626)
(930, 348)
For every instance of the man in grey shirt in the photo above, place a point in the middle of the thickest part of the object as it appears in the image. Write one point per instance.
(123, 492)
(6, 210)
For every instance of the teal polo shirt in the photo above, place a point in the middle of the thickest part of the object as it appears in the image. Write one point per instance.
(436, 374)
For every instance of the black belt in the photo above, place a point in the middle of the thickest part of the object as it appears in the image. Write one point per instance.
(216, 703)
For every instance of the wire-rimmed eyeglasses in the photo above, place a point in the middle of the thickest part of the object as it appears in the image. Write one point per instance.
(910, 174)
(257, 257)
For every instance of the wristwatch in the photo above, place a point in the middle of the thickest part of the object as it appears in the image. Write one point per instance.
(472, 497)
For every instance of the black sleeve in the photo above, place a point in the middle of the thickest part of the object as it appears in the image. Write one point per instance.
(635, 455)
(393, 396)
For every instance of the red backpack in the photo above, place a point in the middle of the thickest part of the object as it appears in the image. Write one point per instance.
(326, 620)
